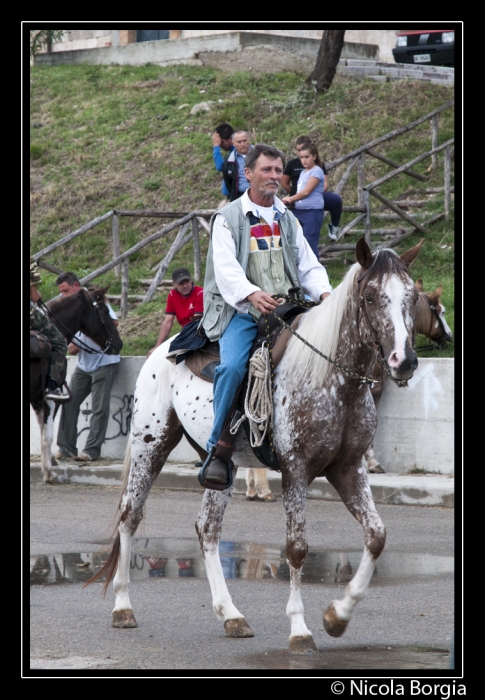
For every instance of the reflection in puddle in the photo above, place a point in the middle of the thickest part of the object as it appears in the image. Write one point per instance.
(161, 557)
(355, 659)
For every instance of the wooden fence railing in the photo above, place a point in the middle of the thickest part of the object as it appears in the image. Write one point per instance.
(120, 260)
(188, 224)
(365, 191)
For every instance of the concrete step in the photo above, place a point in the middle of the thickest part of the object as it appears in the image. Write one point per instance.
(389, 489)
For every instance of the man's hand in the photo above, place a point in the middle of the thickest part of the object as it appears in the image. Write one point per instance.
(73, 348)
(324, 295)
(263, 302)
(216, 139)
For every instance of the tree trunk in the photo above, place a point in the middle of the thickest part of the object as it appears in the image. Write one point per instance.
(327, 59)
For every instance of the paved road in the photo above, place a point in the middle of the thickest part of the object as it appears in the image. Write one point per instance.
(406, 620)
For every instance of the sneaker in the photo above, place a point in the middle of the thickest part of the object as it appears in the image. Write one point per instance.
(333, 232)
(84, 457)
(56, 395)
(217, 471)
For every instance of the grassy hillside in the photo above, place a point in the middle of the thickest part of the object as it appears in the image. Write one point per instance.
(122, 137)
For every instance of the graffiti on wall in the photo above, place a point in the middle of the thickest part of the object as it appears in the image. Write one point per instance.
(119, 424)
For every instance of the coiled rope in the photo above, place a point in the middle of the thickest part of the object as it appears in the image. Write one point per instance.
(258, 402)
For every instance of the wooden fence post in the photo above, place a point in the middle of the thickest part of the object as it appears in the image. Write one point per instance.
(434, 141)
(447, 182)
(116, 241)
(124, 288)
(196, 242)
(361, 179)
(367, 217)
(179, 242)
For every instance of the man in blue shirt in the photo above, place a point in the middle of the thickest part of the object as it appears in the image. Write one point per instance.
(233, 168)
(222, 138)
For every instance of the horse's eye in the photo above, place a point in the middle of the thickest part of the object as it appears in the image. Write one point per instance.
(368, 298)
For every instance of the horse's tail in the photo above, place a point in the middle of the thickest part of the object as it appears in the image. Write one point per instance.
(109, 567)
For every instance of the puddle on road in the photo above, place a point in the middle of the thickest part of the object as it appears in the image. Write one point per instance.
(161, 557)
(355, 659)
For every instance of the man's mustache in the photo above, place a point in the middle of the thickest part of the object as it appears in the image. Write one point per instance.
(272, 182)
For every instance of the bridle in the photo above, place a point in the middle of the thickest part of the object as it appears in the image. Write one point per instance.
(361, 308)
(77, 341)
(444, 340)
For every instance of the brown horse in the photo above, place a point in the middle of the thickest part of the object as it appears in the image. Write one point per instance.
(430, 322)
(324, 420)
(83, 311)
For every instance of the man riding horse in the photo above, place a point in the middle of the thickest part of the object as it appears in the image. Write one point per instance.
(40, 322)
(257, 250)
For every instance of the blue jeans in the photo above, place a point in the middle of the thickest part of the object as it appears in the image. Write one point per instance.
(311, 221)
(332, 202)
(235, 345)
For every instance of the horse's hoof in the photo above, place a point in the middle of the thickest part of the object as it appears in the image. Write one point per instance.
(238, 628)
(333, 625)
(124, 619)
(269, 498)
(376, 469)
(251, 498)
(302, 645)
(54, 461)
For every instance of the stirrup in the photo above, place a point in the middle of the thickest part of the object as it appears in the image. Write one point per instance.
(205, 483)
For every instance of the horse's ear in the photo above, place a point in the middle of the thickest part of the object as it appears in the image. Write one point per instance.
(410, 254)
(99, 293)
(363, 253)
(419, 284)
(436, 295)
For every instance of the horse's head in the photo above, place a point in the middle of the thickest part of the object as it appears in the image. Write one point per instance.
(86, 311)
(99, 325)
(430, 316)
(387, 300)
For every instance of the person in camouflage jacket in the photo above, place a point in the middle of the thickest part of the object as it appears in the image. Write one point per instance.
(40, 322)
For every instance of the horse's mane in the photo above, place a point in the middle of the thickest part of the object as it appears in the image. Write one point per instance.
(321, 326)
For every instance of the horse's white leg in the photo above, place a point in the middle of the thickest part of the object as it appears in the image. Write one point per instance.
(208, 527)
(294, 500)
(262, 485)
(373, 465)
(251, 490)
(357, 496)
(45, 419)
(258, 486)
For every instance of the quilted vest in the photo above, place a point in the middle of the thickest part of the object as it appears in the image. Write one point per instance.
(217, 313)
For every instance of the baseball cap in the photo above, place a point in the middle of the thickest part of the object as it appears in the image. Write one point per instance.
(181, 273)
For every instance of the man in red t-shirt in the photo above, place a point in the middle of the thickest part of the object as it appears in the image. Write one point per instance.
(185, 302)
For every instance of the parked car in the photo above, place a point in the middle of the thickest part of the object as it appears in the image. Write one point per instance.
(434, 47)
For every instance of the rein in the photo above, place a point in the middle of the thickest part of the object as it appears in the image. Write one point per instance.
(77, 341)
(346, 370)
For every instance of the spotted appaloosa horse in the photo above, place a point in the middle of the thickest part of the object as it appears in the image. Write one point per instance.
(430, 321)
(324, 419)
(83, 311)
